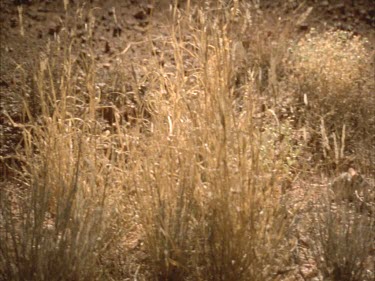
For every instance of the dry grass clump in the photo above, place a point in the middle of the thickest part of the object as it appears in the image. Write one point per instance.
(61, 224)
(343, 241)
(196, 171)
(334, 86)
(208, 178)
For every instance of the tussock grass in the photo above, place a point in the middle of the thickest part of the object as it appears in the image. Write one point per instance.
(62, 222)
(343, 240)
(209, 193)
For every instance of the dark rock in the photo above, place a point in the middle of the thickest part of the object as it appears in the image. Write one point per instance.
(13, 23)
(54, 30)
(22, 2)
(148, 9)
(141, 15)
(117, 31)
(303, 27)
(4, 84)
(107, 48)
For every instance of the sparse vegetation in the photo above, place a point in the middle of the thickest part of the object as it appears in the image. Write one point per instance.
(185, 173)
(334, 86)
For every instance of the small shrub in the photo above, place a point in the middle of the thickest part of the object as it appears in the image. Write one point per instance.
(334, 89)
(332, 63)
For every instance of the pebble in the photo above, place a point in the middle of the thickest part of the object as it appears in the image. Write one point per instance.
(106, 65)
